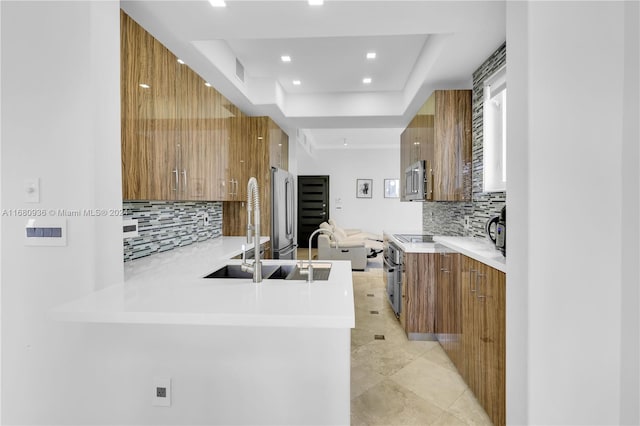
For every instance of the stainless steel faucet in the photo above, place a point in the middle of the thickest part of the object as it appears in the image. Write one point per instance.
(309, 270)
(253, 204)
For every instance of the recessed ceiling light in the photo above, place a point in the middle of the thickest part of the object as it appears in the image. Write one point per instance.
(217, 3)
(366, 80)
(206, 83)
(371, 55)
(144, 86)
(180, 61)
(297, 82)
(316, 2)
(285, 58)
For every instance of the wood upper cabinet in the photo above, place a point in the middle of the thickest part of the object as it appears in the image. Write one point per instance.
(416, 143)
(196, 140)
(181, 139)
(418, 293)
(440, 134)
(451, 163)
(149, 123)
(278, 146)
(483, 335)
(258, 145)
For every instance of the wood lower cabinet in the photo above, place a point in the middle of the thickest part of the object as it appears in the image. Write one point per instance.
(483, 335)
(418, 295)
(449, 307)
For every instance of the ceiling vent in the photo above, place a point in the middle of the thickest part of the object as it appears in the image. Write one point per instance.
(239, 70)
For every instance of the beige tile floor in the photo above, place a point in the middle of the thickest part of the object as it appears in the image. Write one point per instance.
(396, 381)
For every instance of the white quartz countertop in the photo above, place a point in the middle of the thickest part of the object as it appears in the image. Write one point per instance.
(476, 248)
(169, 288)
(411, 247)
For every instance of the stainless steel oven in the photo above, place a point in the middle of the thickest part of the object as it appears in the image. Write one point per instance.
(393, 259)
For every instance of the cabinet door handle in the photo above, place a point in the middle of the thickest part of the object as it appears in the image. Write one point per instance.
(175, 171)
(184, 176)
(478, 295)
(473, 271)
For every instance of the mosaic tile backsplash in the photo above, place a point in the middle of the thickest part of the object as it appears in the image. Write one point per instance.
(165, 225)
(447, 218)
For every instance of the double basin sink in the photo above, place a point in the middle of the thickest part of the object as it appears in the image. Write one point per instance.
(274, 272)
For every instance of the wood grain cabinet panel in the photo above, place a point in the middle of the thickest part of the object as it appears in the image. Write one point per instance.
(278, 146)
(449, 307)
(418, 292)
(148, 105)
(416, 143)
(258, 144)
(195, 143)
(181, 139)
(452, 151)
(440, 134)
(483, 335)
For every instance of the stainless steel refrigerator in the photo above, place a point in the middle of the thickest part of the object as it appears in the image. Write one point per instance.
(282, 215)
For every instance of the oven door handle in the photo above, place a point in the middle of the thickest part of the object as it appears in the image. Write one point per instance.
(389, 265)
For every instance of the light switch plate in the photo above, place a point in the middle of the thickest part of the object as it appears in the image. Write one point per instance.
(32, 190)
(45, 231)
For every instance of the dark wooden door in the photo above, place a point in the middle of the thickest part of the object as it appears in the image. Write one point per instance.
(313, 206)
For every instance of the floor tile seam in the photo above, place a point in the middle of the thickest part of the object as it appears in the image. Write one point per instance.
(367, 388)
(446, 371)
(475, 402)
(435, 364)
(433, 402)
(425, 400)
(465, 421)
(392, 347)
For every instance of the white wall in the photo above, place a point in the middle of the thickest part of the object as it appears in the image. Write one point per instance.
(60, 123)
(344, 166)
(576, 66)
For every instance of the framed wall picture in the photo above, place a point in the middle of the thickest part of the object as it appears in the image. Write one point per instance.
(364, 188)
(392, 188)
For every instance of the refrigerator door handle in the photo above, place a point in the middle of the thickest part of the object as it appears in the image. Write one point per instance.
(288, 209)
(286, 252)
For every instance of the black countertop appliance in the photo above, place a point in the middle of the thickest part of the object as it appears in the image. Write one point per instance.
(500, 238)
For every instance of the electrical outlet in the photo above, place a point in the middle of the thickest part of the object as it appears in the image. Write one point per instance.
(161, 392)
(467, 223)
(205, 219)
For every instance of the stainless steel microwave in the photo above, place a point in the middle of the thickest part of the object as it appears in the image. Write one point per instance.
(416, 181)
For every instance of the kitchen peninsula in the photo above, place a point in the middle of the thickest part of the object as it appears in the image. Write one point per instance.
(273, 352)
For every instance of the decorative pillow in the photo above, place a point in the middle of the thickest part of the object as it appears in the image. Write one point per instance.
(325, 225)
